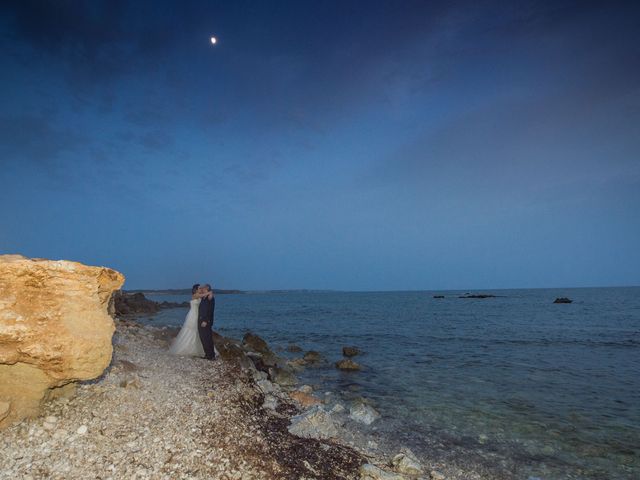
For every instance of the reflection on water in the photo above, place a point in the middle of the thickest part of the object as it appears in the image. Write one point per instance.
(516, 385)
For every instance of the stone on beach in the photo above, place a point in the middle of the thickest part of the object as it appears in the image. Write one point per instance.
(55, 327)
(347, 364)
(314, 423)
(363, 413)
(371, 472)
(407, 463)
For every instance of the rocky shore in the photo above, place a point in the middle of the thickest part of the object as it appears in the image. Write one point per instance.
(152, 415)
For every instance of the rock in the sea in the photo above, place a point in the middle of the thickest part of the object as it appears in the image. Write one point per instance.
(347, 364)
(438, 296)
(313, 357)
(563, 300)
(371, 472)
(304, 399)
(254, 343)
(282, 377)
(480, 295)
(54, 329)
(293, 348)
(407, 463)
(350, 351)
(363, 413)
(314, 423)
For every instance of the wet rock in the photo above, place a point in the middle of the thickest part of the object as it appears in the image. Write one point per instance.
(371, 472)
(347, 364)
(435, 475)
(363, 413)
(254, 343)
(350, 351)
(293, 348)
(304, 399)
(231, 352)
(438, 296)
(298, 364)
(314, 423)
(305, 389)
(338, 408)
(563, 300)
(313, 357)
(282, 377)
(406, 462)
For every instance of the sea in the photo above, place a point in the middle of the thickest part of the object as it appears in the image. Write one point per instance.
(514, 386)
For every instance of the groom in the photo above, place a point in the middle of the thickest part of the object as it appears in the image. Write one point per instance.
(205, 322)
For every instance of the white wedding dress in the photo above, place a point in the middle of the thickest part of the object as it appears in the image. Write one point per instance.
(188, 340)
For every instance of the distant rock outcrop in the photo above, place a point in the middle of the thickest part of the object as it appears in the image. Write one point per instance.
(55, 329)
(563, 300)
(138, 304)
(478, 295)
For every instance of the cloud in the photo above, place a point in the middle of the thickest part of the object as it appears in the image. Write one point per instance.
(32, 138)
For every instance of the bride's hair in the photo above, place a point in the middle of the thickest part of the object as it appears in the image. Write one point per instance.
(195, 288)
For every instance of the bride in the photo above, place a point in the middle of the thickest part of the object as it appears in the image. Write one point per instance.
(188, 340)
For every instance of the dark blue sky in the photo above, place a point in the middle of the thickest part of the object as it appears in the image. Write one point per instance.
(346, 145)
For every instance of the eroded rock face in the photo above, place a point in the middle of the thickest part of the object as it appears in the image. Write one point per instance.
(55, 329)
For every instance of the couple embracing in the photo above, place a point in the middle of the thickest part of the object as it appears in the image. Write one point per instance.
(196, 338)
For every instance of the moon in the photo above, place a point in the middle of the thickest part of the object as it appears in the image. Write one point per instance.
(214, 40)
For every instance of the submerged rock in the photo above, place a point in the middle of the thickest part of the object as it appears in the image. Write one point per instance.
(293, 348)
(347, 364)
(407, 463)
(363, 413)
(282, 377)
(563, 300)
(438, 296)
(55, 327)
(313, 357)
(350, 351)
(304, 399)
(314, 423)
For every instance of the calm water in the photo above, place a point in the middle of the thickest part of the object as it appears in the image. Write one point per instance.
(515, 386)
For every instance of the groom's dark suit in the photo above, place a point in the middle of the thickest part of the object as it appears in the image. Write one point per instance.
(205, 315)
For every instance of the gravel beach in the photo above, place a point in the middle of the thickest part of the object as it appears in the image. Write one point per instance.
(152, 415)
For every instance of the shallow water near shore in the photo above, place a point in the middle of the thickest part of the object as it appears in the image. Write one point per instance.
(513, 386)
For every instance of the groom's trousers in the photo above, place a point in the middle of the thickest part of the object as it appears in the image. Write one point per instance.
(206, 337)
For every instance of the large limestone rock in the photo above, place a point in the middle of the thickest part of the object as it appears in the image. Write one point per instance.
(55, 329)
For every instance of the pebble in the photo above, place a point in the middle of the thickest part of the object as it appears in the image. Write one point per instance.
(82, 430)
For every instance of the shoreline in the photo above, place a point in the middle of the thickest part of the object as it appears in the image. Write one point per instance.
(153, 415)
